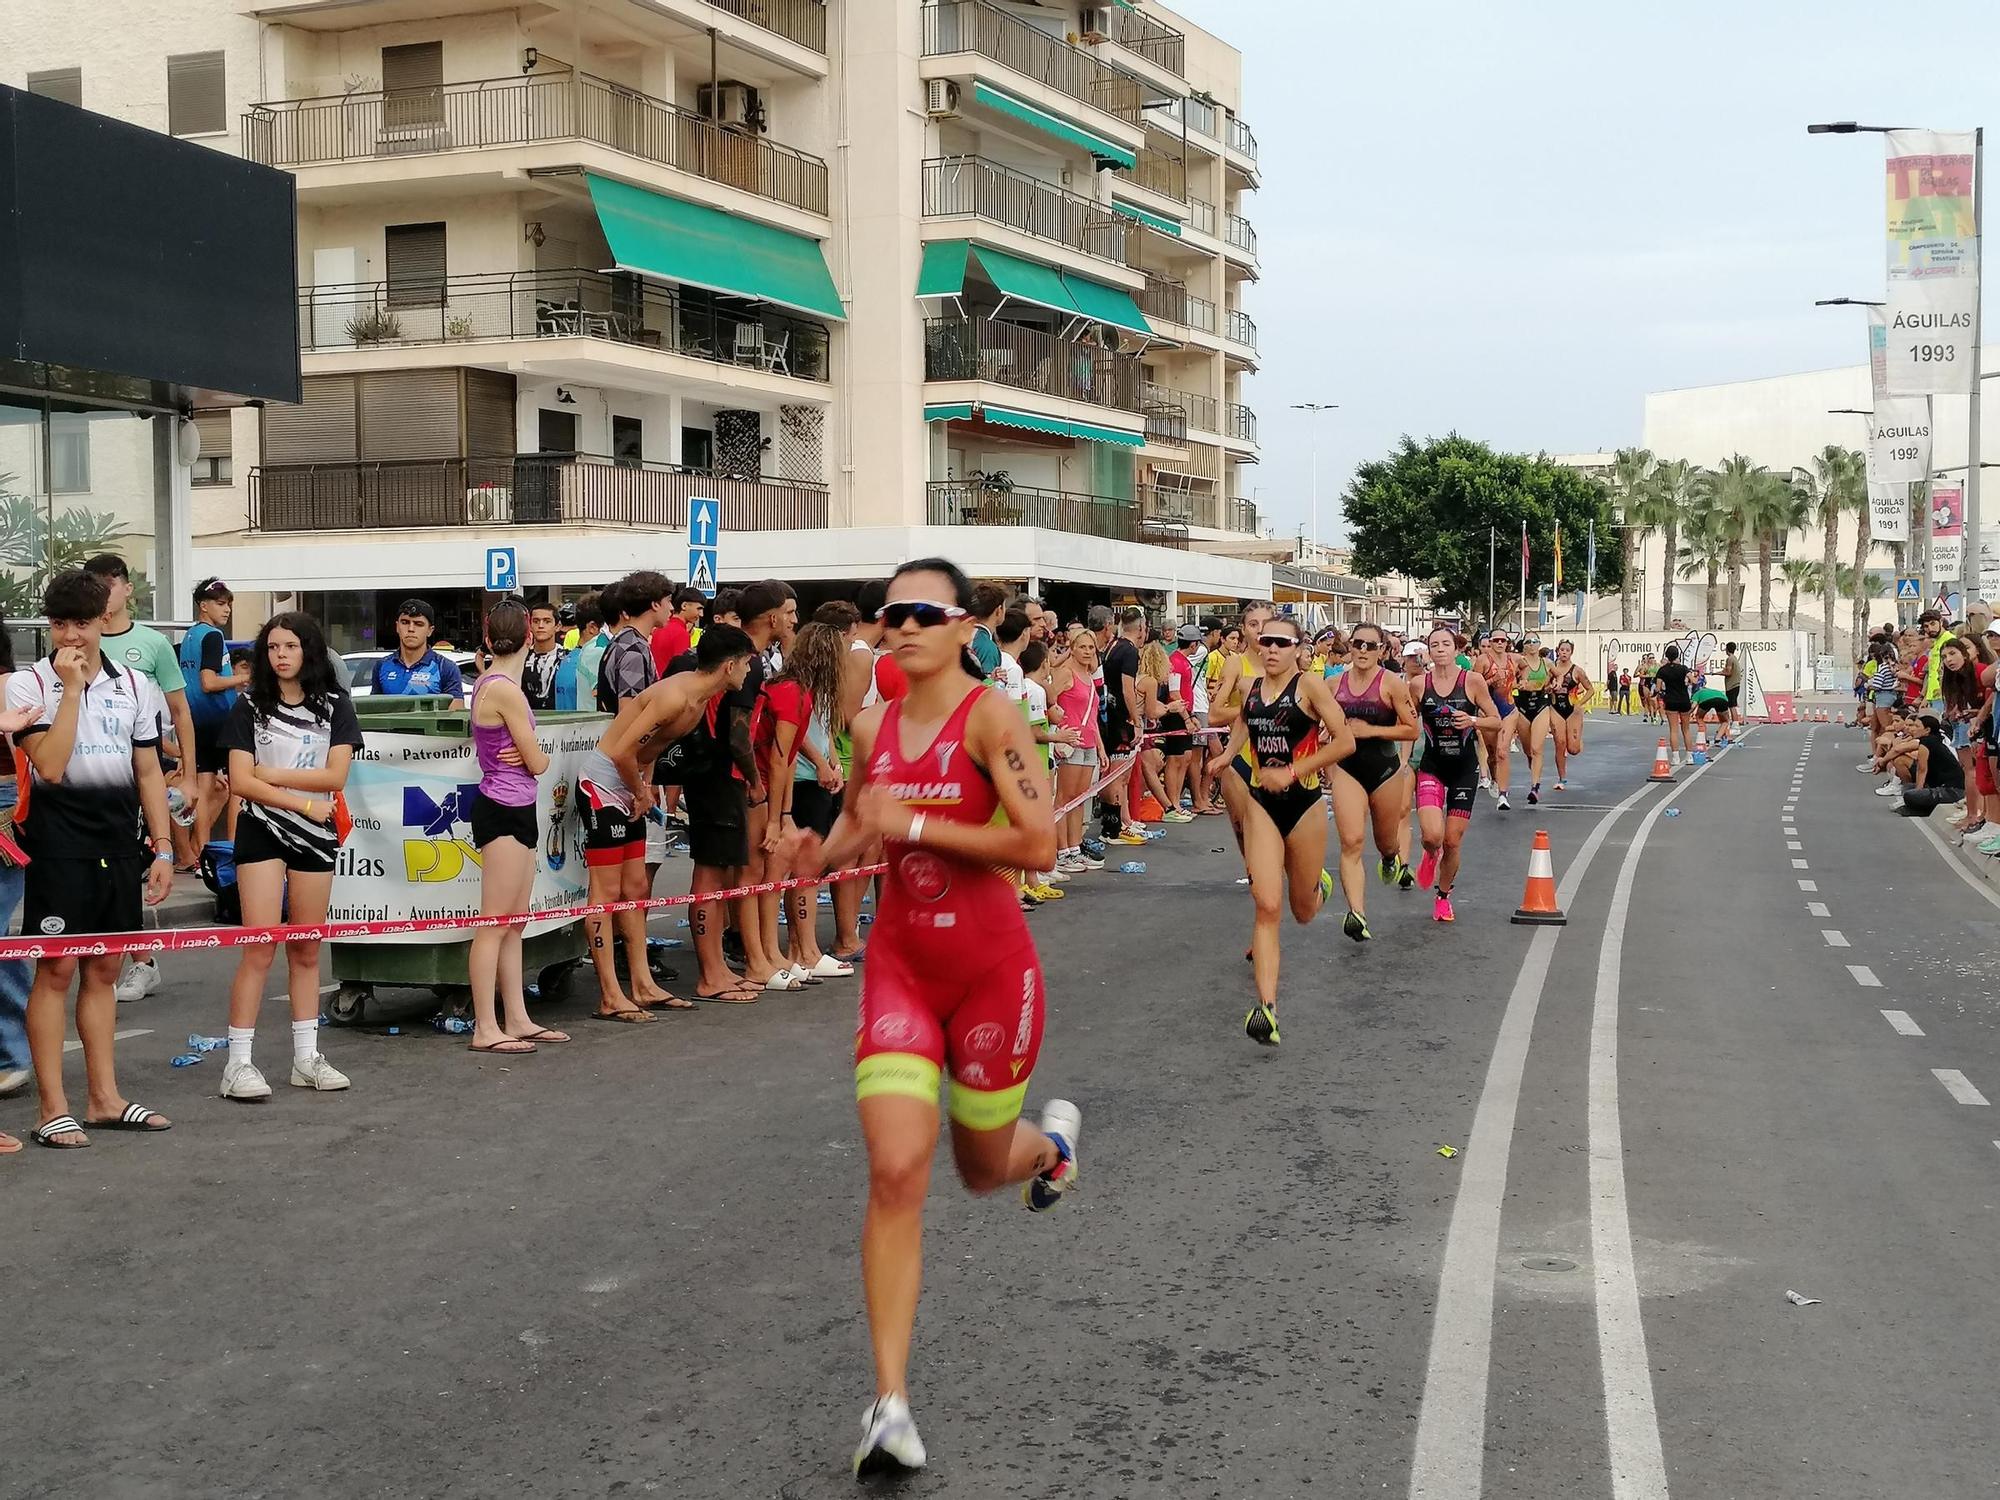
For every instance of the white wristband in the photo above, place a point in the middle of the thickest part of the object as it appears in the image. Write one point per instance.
(916, 833)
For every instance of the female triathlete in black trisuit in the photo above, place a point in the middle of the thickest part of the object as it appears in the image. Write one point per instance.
(1293, 730)
(1569, 691)
(1369, 785)
(1454, 706)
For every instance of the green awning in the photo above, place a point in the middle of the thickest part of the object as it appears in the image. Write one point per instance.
(1008, 416)
(1106, 304)
(1124, 4)
(947, 412)
(1053, 124)
(684, 242)
(1095, 434)
(1149, 219)
(945, 264)
(943, 273)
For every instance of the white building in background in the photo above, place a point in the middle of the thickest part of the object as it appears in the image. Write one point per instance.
(888, 278)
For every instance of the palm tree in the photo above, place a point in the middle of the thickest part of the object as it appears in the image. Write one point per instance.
(1801, 576)
(1859, 585)
(1733, 504)
(1862, 546)
(1664, 507)
(1705, 550)
(1836, 483)
(1630, 485)
(1776, 510)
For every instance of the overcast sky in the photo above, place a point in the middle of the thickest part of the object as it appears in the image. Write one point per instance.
(1513, 218)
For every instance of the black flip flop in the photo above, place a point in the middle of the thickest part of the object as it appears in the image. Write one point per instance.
(135, 1117)
(45, 1135)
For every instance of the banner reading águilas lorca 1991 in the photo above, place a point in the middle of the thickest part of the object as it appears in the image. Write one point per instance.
(1933, 264)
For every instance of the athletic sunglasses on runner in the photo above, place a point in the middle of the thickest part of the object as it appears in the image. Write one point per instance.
(1278, 640)
(1364, 645)
(923, 611)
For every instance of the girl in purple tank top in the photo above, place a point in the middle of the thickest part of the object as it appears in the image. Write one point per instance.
(504, 831)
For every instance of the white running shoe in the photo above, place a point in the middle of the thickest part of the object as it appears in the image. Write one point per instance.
(1057, 876)
(1865, 766)
(1061, 1122)
(241, 1080)
(1070, 865)
(1888, 789)
(1500, 801)
(13, 1080)
(1486, 783)
(889, 1441)
(137, 982)
(316, 1072)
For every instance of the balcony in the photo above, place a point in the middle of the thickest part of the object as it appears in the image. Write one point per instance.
(535, 110)
(617, 306)
(969, 502)
(1237, 231)
(1238, 329)
(1028, 359)
(1166, 426)
(1174, 303)
(1240, 422)
(1239, 514)
(1196, 114)
(801, 21)
(1240, 139)
(972, 187)
(1200, 410)
(1201, 215)
(567, 489)
(1156, 42)
(1162, 173)
(953, 26)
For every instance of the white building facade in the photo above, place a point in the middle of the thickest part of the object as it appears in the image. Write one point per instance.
(887, 279)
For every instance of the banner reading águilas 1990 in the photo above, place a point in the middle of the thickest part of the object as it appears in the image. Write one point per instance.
(1933, 264)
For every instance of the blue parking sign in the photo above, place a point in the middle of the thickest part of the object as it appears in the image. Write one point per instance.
(502, 570)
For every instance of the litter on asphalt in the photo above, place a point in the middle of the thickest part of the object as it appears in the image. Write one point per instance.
(1797, 1301)
(1673, 812)
(1447, 1151)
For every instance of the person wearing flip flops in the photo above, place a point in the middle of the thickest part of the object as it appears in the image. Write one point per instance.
(291, 738)
(91, 776)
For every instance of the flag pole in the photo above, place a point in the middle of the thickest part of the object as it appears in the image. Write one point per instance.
(1492, 554)
(1524, 574)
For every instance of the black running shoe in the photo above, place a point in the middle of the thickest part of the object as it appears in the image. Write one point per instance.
(1405, 876)
(1356, 926)
(1261, 1025)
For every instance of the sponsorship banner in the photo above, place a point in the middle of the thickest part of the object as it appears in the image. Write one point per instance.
(1878, 353)
(1947, 533)
(1989, 562)
(410, 856)
(1899, 442)
(1889, 513)
(1933, 264)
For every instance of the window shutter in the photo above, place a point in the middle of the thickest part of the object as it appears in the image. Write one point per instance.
(489, 414)
(196, 104)
(409, 414)
(65, 84)
(412, 85)
(214, 427)
(414, 259)
(320, 430)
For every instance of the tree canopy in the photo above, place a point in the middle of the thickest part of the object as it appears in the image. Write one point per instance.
(1429, 511)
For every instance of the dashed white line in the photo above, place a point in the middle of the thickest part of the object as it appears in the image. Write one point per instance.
(1794, 845)
(1958, 1086)
(1834, 939)
(1817, 909)
(1864, 976)
(1799, 864)
(1900, 1019)
(75, 1044)
(1808, 885)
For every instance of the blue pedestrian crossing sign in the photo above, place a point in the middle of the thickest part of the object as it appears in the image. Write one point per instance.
(503, 571)
(1910, 588)
(704, 538)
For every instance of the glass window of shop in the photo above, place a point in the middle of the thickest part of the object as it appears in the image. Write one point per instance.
(365, 619)
(77, 480)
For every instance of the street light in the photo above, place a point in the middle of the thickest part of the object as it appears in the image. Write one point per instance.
(1315, 408)
(1847, 302)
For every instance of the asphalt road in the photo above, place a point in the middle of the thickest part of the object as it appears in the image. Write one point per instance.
(628, 1266)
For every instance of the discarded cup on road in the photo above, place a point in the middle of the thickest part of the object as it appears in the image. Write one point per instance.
(452, 1025)
(1132, 867)
(1672, 812)
(1797, 1301)
(199, 1043)
(187, 1059)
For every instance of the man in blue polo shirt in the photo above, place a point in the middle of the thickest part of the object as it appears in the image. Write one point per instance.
(415, 670)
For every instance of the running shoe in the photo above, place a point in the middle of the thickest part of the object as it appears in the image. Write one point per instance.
(1091, 859)
(1325, 886)
(1990, 846)
(1888, 789)
(1387, 869)
(1405, 876)
(1176, 815)
(1534, 793)
(1427, 868)
(1561, 786)
(316, 1072)
(889, 1441)
(1072, 864)
(1356, 926)
(1057, 876)
(1503, 804)
(1127, 836)
(1442, 912)
(137, 982)
(1486, 783)
(1061, 1122)
(1261, 1026)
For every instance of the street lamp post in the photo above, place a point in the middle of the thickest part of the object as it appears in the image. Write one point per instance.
(1313, 409)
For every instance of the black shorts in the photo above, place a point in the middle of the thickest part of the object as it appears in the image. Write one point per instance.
(1450, 782)
(1735, 695)
(814, 807)
(611, 835)
(209, 756)
(718, 810)
(1119, 737)
(496, 820)
(77, 897)
(255, 843)
(1176, 741)
(1373, 763)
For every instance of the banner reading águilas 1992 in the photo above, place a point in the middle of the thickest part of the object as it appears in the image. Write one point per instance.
(1933, 264)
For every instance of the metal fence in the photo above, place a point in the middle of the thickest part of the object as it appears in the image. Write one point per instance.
(1241, 422)
(1238, 329)
(619, 306)
(971, 186)
(523, 111)
(1162, 173)
(1030, 360)
(969, 502)
(971, 26)
(1158, 43)
(1238, 231)
(1172, 301)
(1240, 139)
(1166, 424)
(568, 489)
(801, 21)
(1201, 410)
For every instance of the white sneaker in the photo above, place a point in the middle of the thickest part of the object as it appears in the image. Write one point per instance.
(316, 1072)
(1071, 865)
(889, 1441)
(13, 1080)
(1056, 876)
(137, 982)
(241, 1080)
(1062, 1122)
(1865, 766)
(1888, 789)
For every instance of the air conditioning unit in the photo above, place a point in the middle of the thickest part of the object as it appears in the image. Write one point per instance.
(1096, 23)
(940, 98)
(735, 105)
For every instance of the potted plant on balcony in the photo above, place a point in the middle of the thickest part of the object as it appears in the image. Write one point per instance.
(377, 325)
(993, 499)
(458, 326)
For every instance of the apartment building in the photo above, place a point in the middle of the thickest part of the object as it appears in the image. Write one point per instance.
(886, 278)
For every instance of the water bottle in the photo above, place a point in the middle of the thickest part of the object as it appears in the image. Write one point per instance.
(452, 1025)
(187, 1059)
(179, 808)
(1132, 867)
(199, 1043)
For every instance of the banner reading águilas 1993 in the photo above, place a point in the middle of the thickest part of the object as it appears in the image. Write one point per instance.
(1933, 264)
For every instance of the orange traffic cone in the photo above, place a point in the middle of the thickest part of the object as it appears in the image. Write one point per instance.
(1538, 901)
(1662, 768)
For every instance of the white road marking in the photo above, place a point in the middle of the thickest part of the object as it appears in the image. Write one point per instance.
(1449, 1462)
(1957, 864)
(1808, 885)
(1834, 939)
(1793, 844)
(1864, 976)
(1799, 864)
(1817, 909)
(75, 1044)
(1900, 1019)
(1958, 1086)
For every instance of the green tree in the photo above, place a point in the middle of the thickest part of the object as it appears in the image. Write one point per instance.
(1863, 546)
(1665, 510)
(1776, 510)
(1430, 510)
(1833, 486)
(1800, 575)
(1732, 505)
(1631, 487)
(1707, 535)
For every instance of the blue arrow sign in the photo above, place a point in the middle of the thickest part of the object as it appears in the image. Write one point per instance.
(704, 522)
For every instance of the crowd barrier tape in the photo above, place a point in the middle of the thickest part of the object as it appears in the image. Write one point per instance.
(191, 939)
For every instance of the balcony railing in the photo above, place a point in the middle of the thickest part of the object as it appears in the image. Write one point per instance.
(1201, 410)
(1162, 173)
(566, 489)
(1238, 329)
(1030, 360)
(1240, 139)
(1192, 112)
(1201, 215)
(1157, 42)
(1176, 304)
(525, 111)
(624, 308)
(1167, 425)
(1239, 514)
(970, 26)
(971, 186)
(971, 502)
(801, 21)
(1240, 422)
(1237, 230)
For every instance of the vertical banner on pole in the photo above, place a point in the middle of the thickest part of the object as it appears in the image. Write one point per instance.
(1899, 455)
(1933, 264)
(1947, 504)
